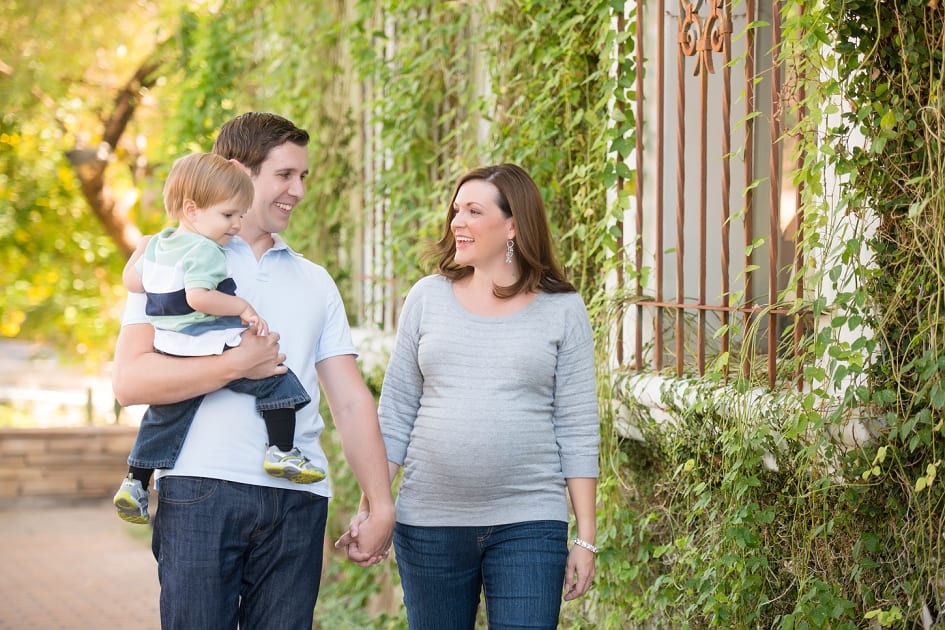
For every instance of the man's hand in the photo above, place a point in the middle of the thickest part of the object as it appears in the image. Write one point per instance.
(258, 356)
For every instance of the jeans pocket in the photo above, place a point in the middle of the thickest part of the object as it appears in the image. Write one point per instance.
(187, 490)
(555, 531)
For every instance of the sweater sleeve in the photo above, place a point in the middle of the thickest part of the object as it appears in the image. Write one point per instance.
(403, 383)
(576, 420)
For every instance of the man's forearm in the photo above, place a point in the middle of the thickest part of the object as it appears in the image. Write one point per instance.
(142, 376)
(392, 469)
(355, 416)
(365, 454)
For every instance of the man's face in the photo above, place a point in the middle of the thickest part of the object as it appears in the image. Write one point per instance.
(278, 188)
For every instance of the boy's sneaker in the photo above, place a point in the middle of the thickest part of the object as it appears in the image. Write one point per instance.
(132, 501)
(292, 465)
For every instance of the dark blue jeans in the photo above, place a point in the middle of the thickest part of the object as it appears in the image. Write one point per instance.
(164, 427)
(231, 553)
(520, 568)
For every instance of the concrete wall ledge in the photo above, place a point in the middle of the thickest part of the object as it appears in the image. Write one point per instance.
(63, 462)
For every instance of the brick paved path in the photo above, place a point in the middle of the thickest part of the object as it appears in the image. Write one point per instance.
(75, 567)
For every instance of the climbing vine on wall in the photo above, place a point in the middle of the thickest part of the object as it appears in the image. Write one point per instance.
(890, 58)
(744, 515)
(822, 510)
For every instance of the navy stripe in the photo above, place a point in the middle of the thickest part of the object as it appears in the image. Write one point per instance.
(228, 286)
(174, 303)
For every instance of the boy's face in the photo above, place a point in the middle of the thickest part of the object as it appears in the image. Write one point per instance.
(220, 222)
(279, 187)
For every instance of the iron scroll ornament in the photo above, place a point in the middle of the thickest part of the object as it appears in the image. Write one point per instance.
(702, 37)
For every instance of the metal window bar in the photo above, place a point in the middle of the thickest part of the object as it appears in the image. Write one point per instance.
(704, 32)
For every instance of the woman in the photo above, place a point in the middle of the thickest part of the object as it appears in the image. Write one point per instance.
(489, 404)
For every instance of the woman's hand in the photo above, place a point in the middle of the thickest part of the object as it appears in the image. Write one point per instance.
(579, 572)
(361, 530)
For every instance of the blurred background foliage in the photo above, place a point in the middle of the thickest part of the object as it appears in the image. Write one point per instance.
(61, 68)
(98, 99)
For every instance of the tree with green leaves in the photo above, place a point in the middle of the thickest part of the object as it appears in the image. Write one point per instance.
(75, 91)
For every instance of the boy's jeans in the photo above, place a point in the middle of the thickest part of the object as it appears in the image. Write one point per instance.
(164, 427)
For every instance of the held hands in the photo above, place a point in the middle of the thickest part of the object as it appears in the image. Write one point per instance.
(579, 572)
(368, 538)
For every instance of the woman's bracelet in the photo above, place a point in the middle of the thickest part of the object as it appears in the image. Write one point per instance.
(586, 545)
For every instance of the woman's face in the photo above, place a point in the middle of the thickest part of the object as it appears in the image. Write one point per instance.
(479, 226)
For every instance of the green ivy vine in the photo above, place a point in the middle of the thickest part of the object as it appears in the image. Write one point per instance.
(821, 509)
(744, 514)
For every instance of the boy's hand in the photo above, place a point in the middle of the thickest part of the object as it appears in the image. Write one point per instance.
(251, 317)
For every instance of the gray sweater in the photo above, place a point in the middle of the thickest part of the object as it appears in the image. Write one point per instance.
(489, 415)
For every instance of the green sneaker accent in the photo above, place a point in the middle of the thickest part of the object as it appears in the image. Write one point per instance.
(131, 500)
(291, 465)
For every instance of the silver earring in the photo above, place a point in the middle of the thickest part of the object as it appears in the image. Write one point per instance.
(509, 251)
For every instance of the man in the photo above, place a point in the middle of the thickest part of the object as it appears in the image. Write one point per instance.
(235, 546)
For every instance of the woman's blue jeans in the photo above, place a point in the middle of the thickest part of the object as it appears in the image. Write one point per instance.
(231, 553)
(520, 568)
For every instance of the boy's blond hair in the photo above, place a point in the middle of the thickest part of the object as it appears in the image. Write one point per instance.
(206, 179)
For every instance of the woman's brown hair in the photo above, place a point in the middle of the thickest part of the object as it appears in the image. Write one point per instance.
(519, 198)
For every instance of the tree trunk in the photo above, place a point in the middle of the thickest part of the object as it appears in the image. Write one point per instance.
(90, 164)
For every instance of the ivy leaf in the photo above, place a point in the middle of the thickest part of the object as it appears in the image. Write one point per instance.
(888, 121)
